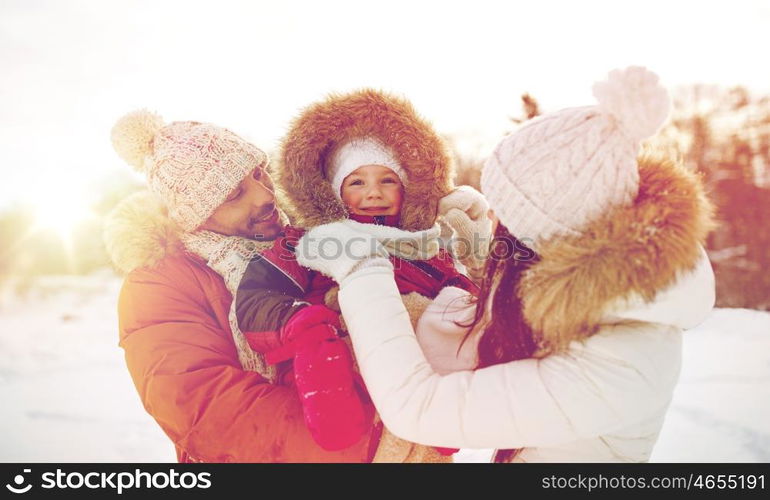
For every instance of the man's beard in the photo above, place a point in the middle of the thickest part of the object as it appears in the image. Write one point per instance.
(265, 233)
(266, 237)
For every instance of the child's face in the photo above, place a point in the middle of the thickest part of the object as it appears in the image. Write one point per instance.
(372, 190)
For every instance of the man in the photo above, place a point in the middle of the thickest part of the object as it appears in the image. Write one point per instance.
(173, 309)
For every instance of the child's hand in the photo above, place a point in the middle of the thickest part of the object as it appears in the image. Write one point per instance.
(336, 412)
(308, 325)
(306, 318)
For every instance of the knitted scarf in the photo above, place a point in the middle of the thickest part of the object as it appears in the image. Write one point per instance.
(229, 256)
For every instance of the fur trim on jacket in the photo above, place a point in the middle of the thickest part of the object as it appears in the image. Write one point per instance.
(627, 256)
(139, 233)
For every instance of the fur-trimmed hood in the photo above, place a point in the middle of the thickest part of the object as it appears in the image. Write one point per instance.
(322, 127)
(138, 232)
(635, 263)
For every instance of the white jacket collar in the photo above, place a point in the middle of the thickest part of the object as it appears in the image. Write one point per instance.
(684, 304)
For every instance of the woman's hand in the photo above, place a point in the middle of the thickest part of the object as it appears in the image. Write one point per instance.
(465, 210)
(339, 248)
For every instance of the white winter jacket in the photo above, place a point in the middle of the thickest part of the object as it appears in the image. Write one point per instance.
(604, 399)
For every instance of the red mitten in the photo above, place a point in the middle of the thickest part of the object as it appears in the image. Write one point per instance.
(306, 318)
(299, 331)
(336, 413)
(282, 345)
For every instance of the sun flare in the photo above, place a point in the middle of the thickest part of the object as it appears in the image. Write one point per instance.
(61, 211)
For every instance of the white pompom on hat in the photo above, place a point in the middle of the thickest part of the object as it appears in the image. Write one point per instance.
(191, 166)
(635, 99)
(132, 136)
(562, 170)
(357, 153)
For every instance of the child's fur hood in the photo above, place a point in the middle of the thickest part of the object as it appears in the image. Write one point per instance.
(626, 257)
(322, 127)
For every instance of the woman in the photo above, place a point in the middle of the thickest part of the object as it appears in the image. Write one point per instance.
(581, 337)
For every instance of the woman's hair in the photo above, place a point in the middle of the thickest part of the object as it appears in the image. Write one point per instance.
(506, 336)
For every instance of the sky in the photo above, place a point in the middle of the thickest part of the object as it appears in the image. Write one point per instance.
(70, 69)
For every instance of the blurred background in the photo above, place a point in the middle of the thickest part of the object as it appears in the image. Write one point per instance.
(477, 70)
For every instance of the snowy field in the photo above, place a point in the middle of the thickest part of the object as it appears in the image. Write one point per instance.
(67, 396)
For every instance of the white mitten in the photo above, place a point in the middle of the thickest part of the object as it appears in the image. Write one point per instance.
(465, 210)
(337, 249)
(466, 199)
(409, 245)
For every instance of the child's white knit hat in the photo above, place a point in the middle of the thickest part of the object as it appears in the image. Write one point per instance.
(564, 169)
(357, 153)
(191, 166)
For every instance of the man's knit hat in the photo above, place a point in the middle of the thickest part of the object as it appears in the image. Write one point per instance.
(191, 166)
(357, 153)
(564, 169)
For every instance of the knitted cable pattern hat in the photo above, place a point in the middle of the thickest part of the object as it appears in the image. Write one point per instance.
(191, 166)
(359, 152)
(564, 169)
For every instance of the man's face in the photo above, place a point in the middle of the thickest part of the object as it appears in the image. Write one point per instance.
(249, 211)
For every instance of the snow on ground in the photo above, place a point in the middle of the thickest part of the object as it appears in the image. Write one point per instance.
(67, 396)
(721, 407)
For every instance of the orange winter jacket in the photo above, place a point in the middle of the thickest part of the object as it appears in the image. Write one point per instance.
(179, 350)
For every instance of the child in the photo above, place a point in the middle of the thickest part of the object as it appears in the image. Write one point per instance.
(367, 156)
(373, 193)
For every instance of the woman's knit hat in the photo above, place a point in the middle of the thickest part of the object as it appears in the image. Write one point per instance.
(564, 169)
(191, 166)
